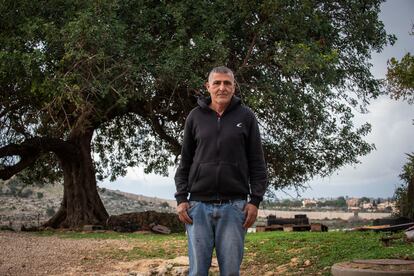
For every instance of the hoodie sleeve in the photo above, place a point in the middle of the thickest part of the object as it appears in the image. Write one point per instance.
(256, 162)
(187, 154)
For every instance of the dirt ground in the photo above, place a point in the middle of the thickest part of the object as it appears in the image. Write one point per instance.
(27, 254)
(23, 253)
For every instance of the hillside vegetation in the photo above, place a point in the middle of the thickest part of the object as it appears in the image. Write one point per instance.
(31, 206)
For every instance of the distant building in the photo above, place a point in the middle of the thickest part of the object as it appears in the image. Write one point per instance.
(309, 203)
(387, 205)
(352, 202)
(368, 205)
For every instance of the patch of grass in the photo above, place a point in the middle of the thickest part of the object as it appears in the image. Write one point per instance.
(297, 253)
(314, 253)
(111, 235)
(138, 252)
(140, 245)
(149, 249)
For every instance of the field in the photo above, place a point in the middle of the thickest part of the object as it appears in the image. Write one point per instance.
(283, 253)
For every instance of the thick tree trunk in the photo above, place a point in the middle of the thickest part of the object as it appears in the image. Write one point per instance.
(81, 204)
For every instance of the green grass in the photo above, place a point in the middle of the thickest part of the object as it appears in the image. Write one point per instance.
(283, 252)
(275, 249)
(111, 235)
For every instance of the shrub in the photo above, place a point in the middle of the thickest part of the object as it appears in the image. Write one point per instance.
(25, 193)
(50, 211)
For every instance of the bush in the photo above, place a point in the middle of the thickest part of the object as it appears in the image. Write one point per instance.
(39, 195)
(404, 193)
(165, 205)
(25, 193)
(50, 211)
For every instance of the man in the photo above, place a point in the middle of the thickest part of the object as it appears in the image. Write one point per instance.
(221, 165)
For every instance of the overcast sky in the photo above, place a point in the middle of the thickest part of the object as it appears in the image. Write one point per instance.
(392, 132)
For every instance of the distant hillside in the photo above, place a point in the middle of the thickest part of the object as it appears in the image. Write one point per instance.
(34, 205)
(136, 197)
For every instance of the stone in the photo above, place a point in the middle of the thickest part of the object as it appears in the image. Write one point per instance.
(92, 227)
(179, 271)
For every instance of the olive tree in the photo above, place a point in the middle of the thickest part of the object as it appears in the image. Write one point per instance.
(90, 88)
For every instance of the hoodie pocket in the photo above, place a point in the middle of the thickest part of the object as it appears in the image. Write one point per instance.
(205, 178)
(232, 179)
(193, 173)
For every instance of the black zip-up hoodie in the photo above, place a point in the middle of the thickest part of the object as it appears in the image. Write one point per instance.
(221, 156)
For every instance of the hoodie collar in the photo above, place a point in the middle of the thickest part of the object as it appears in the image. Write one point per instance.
(204, 103)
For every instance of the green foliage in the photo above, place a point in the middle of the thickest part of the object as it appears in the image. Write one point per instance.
(400, 80)
(364, 200)
(285, 203)
(403, 195)
(340, 202)
(400, 77)
(129, 71)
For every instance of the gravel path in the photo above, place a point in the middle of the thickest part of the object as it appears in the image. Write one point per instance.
(27, 254)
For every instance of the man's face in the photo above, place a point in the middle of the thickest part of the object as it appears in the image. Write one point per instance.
(221, 88)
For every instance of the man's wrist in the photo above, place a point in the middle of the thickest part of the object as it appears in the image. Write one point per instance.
(181, 200)
(255, 201)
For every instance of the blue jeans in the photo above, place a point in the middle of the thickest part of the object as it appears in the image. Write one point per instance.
(219, 226)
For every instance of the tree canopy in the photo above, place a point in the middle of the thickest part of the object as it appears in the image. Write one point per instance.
(404, 193)
(93, 87)
(400, 77)
(400, 85)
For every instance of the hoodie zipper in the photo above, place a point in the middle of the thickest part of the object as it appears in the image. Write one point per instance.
(218, 152)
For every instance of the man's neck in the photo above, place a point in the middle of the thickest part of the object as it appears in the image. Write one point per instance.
(219, 108)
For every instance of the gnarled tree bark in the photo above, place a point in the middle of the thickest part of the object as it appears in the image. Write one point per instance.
(81, 203)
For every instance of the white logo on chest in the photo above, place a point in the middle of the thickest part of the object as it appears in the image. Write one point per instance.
(239, 125)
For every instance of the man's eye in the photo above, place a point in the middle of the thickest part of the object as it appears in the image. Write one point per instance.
(227, 83)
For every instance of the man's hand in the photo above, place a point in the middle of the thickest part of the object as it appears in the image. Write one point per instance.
(182, 212)
(250, 211)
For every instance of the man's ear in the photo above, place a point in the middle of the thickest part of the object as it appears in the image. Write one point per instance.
(207, 85)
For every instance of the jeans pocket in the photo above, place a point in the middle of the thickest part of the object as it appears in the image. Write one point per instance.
(239, 205)
(192, 204)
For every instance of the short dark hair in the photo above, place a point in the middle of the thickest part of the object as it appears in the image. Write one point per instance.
(221, 70)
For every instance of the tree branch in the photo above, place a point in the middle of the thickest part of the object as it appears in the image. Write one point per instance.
(30, 150)
(147, 113)
(27, 154)
(158, 128)
(249, 52)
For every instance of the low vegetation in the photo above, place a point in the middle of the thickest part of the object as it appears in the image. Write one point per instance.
(286, 253)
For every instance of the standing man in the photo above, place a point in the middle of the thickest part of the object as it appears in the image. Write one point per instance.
(222, 166)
